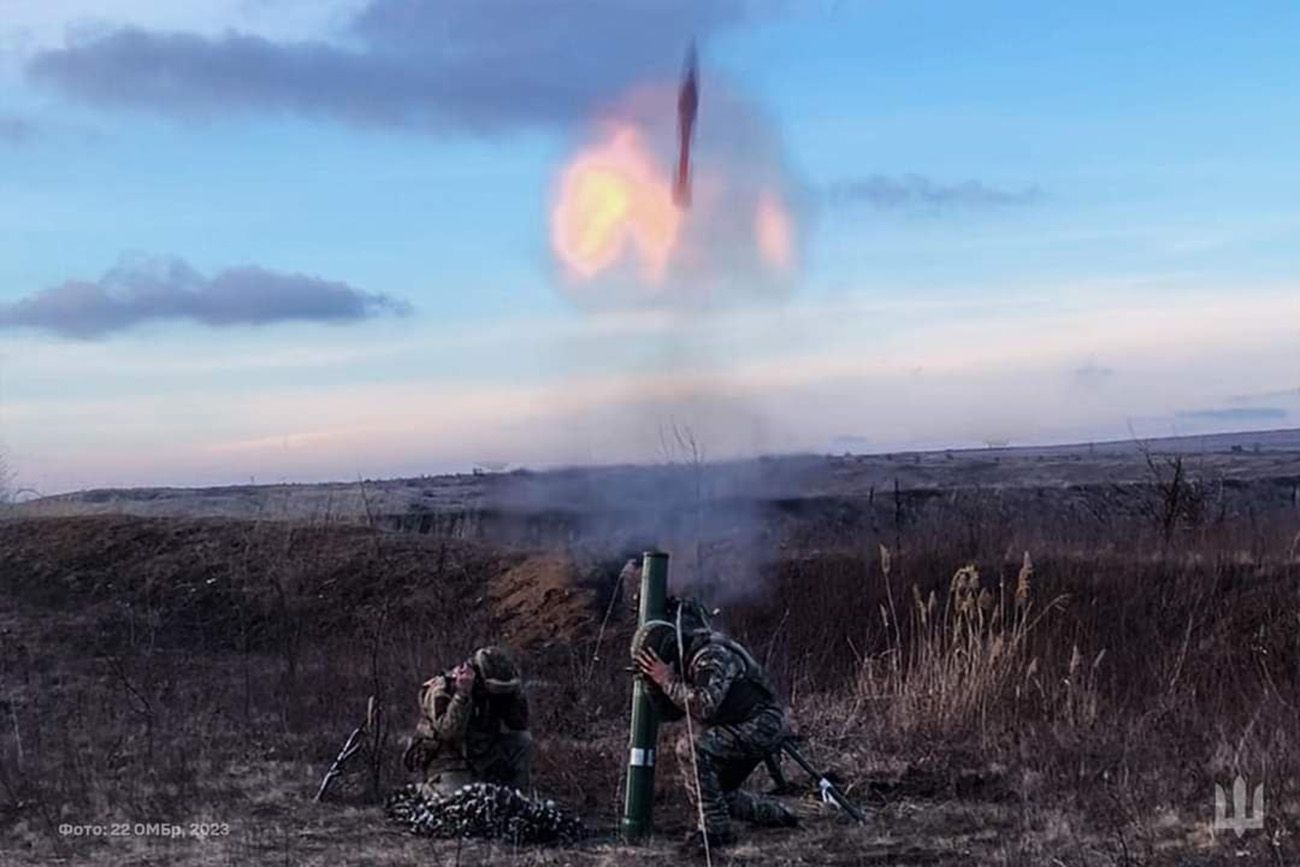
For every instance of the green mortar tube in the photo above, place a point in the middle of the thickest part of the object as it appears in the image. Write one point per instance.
(639, 803)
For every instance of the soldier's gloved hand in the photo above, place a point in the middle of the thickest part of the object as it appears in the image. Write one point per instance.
(464, 677)
(653, 668)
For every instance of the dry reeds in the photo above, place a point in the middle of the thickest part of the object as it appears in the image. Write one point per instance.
(964, 659)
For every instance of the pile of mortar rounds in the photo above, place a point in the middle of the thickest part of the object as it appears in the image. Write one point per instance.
(484, 811)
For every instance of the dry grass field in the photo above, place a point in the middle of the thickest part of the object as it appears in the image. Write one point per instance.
(1036, 692)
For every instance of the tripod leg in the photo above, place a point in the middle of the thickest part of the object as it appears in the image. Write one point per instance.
(823, 784)
(773, 764)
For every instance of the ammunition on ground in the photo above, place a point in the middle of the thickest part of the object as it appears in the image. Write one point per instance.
(644, 739)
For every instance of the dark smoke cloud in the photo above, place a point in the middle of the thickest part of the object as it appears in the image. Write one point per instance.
(17, 130)
(170, 289)
(916, 192)
(480, 65)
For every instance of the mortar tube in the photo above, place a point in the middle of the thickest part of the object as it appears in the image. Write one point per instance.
(638, 805)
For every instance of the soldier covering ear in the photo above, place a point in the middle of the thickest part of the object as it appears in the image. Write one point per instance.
(473, 725)
(739, 717)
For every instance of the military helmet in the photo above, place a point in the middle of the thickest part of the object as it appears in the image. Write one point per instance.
(692, 616)
(659, 636)
(496, 669)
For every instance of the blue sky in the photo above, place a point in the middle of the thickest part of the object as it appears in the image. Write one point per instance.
(1015, 221)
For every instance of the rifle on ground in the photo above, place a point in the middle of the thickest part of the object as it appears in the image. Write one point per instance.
(355, 742)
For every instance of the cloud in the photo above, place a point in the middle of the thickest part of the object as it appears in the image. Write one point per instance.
(17, 130)
(916, 192)
(145, 290)
(1242, 414)
(851, 441)
(481, 65)
(809, 369)
(1276, 394)
(1093, 373)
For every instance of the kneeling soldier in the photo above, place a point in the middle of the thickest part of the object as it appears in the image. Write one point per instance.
(473, 726)
(739, 720)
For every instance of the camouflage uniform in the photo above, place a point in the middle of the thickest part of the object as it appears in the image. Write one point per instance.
(738, 721)
(481, 737)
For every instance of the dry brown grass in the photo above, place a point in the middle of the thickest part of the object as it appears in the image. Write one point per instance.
(966, 660)
(1074, 710)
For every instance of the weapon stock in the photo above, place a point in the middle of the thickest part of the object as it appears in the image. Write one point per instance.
(351, 747)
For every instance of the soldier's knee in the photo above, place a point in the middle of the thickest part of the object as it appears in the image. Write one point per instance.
(511, 746)
(700, 752)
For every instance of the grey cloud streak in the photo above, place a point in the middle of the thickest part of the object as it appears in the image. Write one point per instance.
(917, 192)
(1243, 413)
(1265, 395)
(485, 65)
(170, 289)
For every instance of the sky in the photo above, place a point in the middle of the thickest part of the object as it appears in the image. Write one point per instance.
(284, 240)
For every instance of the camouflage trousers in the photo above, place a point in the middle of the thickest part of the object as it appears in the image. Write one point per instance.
(506, 759)
(724, 757)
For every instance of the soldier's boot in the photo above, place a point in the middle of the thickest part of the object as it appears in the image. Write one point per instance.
(760, 810)
(695, 842)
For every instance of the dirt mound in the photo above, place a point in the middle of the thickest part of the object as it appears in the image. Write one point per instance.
(200, 582)
(543, 601)
(197, 584)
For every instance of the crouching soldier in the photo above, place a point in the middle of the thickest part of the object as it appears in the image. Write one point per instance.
(473, 726)
(737, 718)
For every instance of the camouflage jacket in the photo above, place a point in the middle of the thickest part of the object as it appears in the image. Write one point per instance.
(722, 684)
(454, 726)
